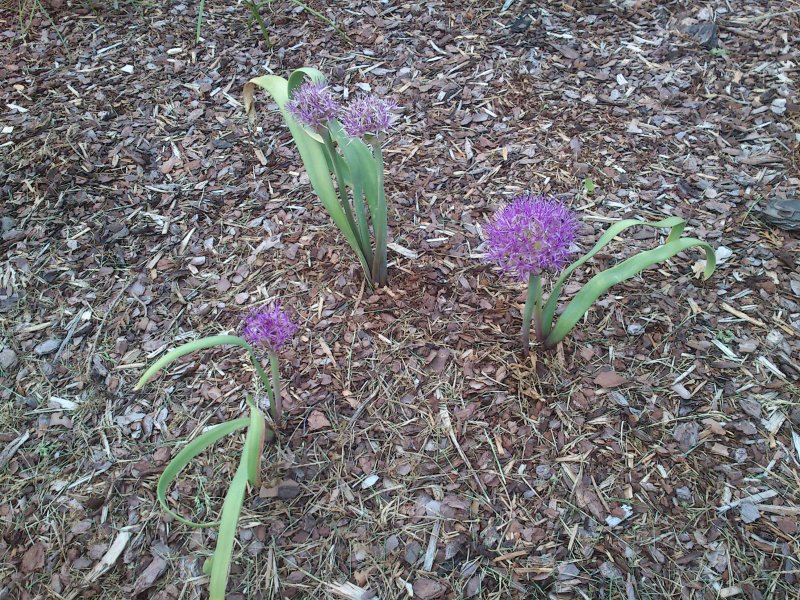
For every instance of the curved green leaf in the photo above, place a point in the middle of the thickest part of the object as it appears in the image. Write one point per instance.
(601, 282)
(201, 344)
(188, 348)
(193, 449)
(231, 508)
(675, 224)
(298, 76)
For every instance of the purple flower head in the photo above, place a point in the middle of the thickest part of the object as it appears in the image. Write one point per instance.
(368, 114)
(268, 326)
(313, 105)
(531, 235)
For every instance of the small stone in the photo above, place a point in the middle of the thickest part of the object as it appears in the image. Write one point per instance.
(8, 359)
(369, 481)
(412, 552)
(610, 571)
(687, 435)
(47, 347)
(751, 407)
(567, 571)
(635, 329)
(775, 338)
(706, 34)
(784, 213)
(748, 346)
(7, 224)
(749, 512)
(684, 494)
(127, 69)
(778, 106)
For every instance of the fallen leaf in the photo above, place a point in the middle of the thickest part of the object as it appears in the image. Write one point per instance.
(609, 379)
(33, 559)
(317, 421)
(425, 588)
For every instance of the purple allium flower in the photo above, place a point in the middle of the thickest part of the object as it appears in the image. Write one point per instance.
(531, 235)
(268, 326)
(313, 105)
(368, 114)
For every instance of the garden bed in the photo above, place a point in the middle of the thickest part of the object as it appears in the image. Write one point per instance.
(655, 453)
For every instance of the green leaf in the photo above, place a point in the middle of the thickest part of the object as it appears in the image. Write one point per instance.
(363, 179)
(185, 456)
(311, 150)
(588, 185)
(188, 348)
(231, 508)
(601, 282)
(254, 443)
(200, 13)
(674, 223)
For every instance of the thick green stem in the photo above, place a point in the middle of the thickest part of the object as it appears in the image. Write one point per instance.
(277, 404)
(532, 311)
(361, 215)
(380, 220)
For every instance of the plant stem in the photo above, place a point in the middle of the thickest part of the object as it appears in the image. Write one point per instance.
(277, 404)
(261, 25)
(380, 221)
(532, 310)
(200, 12)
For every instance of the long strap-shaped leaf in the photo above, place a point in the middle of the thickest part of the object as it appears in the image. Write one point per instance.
(366, 164)
(675, 224)
(362, 179)
(185, 456)
(249, 471)
(310, 149)
(231, 508)
(254, 443)
(201, 344)
(601, 282)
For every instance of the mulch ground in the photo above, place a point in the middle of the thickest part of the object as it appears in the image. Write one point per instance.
(655, 454)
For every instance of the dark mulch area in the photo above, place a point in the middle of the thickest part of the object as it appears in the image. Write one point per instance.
(653, 455)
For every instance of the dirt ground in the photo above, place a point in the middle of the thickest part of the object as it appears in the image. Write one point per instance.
(655, 454)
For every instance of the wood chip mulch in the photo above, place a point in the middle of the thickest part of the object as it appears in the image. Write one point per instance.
(655, 454)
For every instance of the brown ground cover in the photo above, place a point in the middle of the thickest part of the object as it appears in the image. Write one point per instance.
(655, 454)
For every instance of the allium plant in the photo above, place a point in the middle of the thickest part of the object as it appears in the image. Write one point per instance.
(534, 235)
(341, 150)
(269, 328)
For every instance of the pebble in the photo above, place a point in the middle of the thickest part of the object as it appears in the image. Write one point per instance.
(47, 347)
(8, 359)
